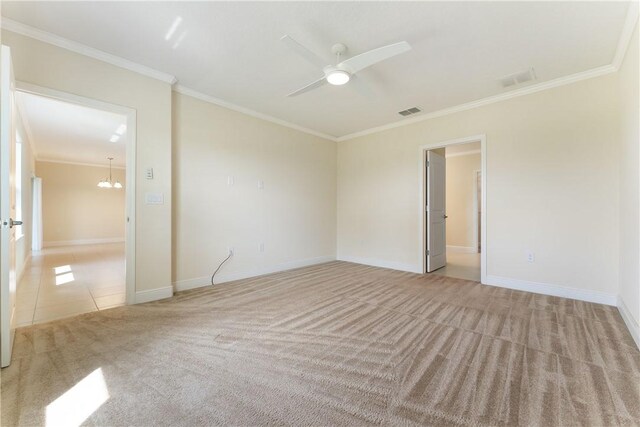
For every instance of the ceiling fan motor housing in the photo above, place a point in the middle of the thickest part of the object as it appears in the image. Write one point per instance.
(338, 49)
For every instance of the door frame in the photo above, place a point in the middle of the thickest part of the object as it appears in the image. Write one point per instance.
(476, 206)
(130, 172)
(482, 139)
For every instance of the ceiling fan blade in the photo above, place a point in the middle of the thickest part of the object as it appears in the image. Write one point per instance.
(304, 52)
(309, 87)
(364, 60)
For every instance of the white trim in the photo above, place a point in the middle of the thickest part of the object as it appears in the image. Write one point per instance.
(199, 282)
(465, 153)
(625, 35)
(462, 249)
(221, 103)
(631, 323)
(560, 81)
(382, 264)
(130, 184)
(43, 36)
(153, 295)
(476, 209)
(422, 202)
(67, 162)
(57, 243)
(553, 290)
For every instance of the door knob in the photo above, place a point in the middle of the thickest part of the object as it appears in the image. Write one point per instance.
(445, 216)
(13, 222)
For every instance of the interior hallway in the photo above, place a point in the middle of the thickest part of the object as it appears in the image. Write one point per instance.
(461, 266)
(65, 281)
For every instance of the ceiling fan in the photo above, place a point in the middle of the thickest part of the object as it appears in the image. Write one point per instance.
(343, 71)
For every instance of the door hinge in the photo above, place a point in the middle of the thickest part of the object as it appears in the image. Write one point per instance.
(428, 163)
(427, 251)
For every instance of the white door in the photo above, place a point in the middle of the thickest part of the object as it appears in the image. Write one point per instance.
(7, 207)
(436, 217)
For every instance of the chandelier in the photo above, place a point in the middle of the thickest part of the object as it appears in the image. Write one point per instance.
(108, 183)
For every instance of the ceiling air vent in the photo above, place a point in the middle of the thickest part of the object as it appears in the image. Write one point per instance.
(518, 78)
(409, 111)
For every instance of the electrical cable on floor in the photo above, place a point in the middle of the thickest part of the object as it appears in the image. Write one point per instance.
(220, 266)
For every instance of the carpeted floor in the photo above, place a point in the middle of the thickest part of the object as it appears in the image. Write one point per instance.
(335, 344)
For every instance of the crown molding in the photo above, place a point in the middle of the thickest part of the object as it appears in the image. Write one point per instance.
(71, 162)
(43, 36)
(626, 34)
(221, 103)
(561, 81)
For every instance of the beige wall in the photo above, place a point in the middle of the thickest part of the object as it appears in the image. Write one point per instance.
(460, 191)
(552, 180)
(74, 209)
(294, 215)
(629, 182)
(56, 68)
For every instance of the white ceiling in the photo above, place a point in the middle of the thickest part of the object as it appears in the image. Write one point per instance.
(66, 132)
(231, 50)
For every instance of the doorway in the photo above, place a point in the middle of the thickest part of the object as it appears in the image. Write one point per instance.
(82, 212)
(453, 208)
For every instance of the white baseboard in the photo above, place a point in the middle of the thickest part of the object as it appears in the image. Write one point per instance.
(153, 294)
(54, 243)
(462, 249)
(198, 282)
(553, 290)
(631, 323)
(382, 263)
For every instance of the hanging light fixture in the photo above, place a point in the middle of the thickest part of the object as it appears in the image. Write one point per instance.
(108, 183)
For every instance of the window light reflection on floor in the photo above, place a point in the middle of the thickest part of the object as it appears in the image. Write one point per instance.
(63, 274)
(62, 269)
(79, 402)
(64, 278)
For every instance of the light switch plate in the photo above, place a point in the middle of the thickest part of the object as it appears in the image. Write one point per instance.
(154, 198)
(149, 173)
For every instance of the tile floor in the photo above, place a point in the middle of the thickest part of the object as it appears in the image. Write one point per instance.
(66, 281)
(461, 266)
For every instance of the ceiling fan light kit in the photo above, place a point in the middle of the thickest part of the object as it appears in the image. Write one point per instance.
(342, 72)
(336, 77)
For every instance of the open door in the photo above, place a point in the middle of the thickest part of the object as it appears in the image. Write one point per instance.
(7, 207)
(436, 216)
